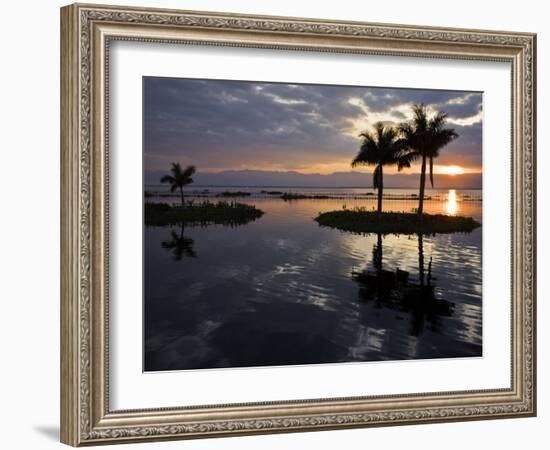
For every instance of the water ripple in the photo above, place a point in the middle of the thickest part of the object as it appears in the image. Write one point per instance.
(283, 290)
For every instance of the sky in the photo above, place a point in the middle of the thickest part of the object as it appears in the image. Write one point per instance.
(226, 125)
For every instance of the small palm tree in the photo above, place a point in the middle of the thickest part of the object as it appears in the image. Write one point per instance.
(425, 137)
(381, 148)
(179, 178)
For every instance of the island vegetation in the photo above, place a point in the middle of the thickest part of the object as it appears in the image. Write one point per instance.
(361, 220)
(233, 194)
(293, 196)
(201, 213)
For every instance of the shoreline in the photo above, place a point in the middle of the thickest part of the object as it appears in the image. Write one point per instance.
(437, 196)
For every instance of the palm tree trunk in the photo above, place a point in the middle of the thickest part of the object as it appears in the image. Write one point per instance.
(432, 171)
(181, 193)
(422, 186)
(380, 189)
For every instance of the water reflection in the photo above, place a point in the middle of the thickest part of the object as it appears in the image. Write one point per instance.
(451, 205)
(278, 291)
(395, 289)
(180, 245)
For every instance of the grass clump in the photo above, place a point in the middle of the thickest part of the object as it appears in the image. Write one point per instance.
(360, 220)
(203, 213)
(291, 196)
(234, 194)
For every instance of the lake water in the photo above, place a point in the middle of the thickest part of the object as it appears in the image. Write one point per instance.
(283, 290)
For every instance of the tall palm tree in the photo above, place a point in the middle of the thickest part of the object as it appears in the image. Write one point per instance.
(425, 137)
(381, 148)
(179, 178)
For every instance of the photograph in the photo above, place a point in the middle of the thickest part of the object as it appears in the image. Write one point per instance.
(295, 224)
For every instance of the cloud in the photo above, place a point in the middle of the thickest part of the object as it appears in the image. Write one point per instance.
(217, 124)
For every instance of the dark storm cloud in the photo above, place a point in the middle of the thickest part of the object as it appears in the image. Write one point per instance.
(457, 104)
(231, 124)
(466, 150)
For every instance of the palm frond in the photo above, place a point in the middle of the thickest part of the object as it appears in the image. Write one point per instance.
(380, 131)
(405, 159)
(189, 171)
(176, 169)
(420, 116)
(366, 135)
(385, 146)
(167, 179)
(368, 152)
(179, 177)
(437, 122)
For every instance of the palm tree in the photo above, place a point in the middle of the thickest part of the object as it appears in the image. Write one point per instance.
(179, 178)
(425, 137)
(381, 148)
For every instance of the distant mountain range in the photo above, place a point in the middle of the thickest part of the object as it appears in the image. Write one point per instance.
(264, 178)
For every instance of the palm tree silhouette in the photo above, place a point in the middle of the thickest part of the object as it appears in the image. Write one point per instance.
(180, 245)
(381, 148)
(425, 137)
(179, 178)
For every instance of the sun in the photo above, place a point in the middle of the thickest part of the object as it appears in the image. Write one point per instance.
(452, 170)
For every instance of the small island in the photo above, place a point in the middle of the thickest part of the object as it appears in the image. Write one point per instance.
(196, 213)
(202, 213)
(360, 220)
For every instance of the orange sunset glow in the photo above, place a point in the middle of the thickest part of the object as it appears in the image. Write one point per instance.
(451, 170)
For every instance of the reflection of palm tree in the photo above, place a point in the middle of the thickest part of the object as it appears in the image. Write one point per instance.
(180, 245)
(377, 254)
(425, 137)
(379, 285)
(179, 178)
(421, 259)
(395, 290)
(381, 148)
(423, 278)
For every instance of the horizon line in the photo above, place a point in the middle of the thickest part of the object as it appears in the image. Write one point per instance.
(294, 171)
(314, 187)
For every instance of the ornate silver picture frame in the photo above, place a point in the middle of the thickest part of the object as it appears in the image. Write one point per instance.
(87, 32)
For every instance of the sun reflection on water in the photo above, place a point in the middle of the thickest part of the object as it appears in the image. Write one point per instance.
(452, 204)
